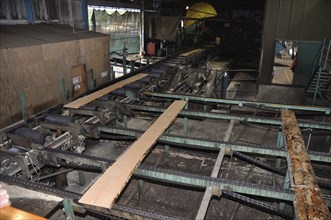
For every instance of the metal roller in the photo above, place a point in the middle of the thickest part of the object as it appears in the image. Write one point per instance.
(118, 92)
(146, 79)
(59, 119)
(91, 106)
(33, 135)
(135, 85)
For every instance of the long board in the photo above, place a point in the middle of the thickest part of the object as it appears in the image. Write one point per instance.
(91, 97)
(107, 188)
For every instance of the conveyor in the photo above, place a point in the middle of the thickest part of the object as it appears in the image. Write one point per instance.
(59, 138)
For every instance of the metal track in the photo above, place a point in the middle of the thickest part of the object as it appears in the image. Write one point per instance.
(186, 179)
(201, 143)
(147, 172)
(240, 118)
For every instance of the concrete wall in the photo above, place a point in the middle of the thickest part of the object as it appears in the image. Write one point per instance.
(38, 70)
(297, 20)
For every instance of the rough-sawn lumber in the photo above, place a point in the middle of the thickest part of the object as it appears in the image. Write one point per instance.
(107, 188)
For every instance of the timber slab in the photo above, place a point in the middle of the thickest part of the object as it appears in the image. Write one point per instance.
(107, 188)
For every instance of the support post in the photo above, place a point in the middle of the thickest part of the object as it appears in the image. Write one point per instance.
(280, 144)
(29, 11)
(91, 79)
(112, 73)
(224, 86)
(167, 147)
(63, 90)
(142, 26)
(186, 120)
(125, 51)
(82, 179)
(132, 66)
(85, 15)
(125, 121)
(68, 209)
(285, 186)
(141, 190)
(23, 106)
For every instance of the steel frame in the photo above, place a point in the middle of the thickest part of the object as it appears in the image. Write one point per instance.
(213, 145)
(253, 119)
(275, 106)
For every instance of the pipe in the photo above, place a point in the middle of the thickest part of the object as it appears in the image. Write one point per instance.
(224, 86)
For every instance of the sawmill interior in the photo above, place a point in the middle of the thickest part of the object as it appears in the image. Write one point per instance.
(165, 109)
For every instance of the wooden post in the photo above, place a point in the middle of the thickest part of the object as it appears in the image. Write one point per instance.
(309, 202)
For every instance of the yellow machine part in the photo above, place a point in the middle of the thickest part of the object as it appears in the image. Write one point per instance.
(198, 11)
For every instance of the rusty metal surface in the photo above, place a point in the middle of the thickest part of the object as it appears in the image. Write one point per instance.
(309, 203)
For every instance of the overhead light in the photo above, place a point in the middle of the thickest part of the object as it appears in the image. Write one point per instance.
(187, 7)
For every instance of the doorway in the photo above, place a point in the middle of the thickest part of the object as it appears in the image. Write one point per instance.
(284, 62)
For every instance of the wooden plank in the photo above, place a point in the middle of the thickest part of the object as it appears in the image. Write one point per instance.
(106, 189)
(11, 213)
(309, 203)
(86, 99)
(208, 193)
(204, 203)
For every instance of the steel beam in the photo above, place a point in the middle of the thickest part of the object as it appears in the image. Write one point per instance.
(213, 145)
(196, 143)
(188, 179)
(220, 116)
(193, 180)
(326, 110)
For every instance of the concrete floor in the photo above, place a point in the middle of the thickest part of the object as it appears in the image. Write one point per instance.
(274, 94)
(282, 75)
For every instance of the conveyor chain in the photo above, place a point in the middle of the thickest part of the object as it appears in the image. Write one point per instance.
(38, 186)
(256, 204)
(177, 173)
(259, 163)
(84, 167)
